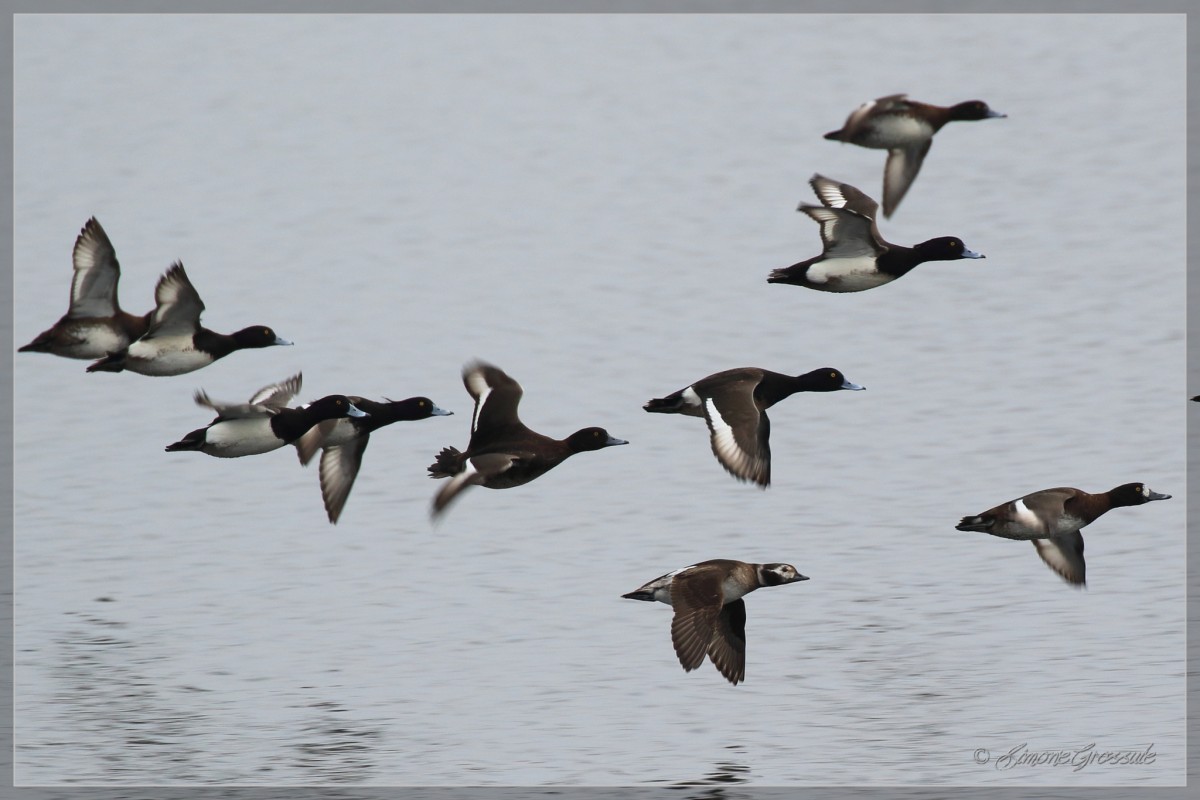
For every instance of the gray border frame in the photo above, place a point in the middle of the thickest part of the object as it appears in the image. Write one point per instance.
(14, 7)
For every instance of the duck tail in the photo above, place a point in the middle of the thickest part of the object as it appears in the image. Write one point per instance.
(39, 345)
(835, 135)
(447, 463)
(113, 362)
(976, 523)
(665, 405)
(786, 275)
(639, 594)
(193, 441)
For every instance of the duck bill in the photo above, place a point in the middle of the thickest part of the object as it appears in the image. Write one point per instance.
(441, 412)
(281, 340)
(355, 411)
(854, 387)
(612, 440)
(972, 254)
(1157, 496)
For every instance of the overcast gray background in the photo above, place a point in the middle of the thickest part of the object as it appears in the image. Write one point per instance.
(593, 203)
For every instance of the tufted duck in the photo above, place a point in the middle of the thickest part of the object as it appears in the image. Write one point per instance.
(263, 424)
(734, 403)
(175, 342)
(343, 441)
(855, 256)
(502, 452)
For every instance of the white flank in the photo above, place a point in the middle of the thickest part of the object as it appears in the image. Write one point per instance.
(853, 274)
(692, 399)
(170, 355)
(242, 437)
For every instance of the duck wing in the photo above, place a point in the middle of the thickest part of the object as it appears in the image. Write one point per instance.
(727, 650)
(276, 396)
(496, 399)
(266, 402)
(739, 432)
(900, 171)
(178, 306)
(696, 596)
(477, 470)
(94, 285)
(1064, 555)
(847, 219)
(339, 468)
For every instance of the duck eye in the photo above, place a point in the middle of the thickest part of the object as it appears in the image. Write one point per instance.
(833, 374)
(421, 403)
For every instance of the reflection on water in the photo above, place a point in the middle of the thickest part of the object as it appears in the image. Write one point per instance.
(334, 749)
(111, 709)
(723, 774)
(124, 723)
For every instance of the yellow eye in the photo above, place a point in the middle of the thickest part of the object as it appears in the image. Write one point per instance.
(833, 374)
(421, 403)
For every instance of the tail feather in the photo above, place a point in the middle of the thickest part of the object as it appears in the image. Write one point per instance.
(193, 441)
(671, 404)
(638, 594)
(41, 344)
(448, 462)
(790, 274)
(976, 523)
(113, 362)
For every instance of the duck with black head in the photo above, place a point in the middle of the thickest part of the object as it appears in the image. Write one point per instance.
(263, 424)
(855, 256)
(175, 342)
(343, 441)
(734, 403)
(503, 452)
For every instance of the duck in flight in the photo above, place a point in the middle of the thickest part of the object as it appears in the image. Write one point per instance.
(855, 256)
(904, 128)
(175, 342)
(503, 452)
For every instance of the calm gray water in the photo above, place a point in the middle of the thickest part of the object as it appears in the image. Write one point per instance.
(593, 203)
